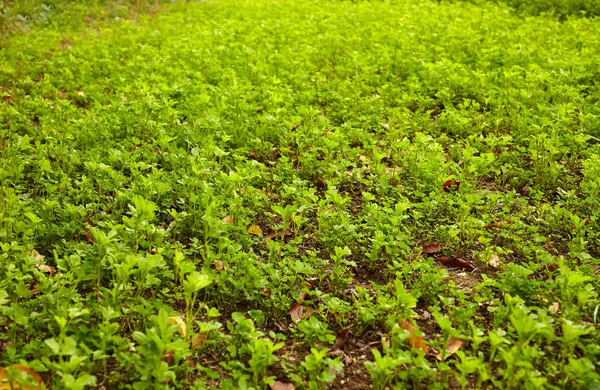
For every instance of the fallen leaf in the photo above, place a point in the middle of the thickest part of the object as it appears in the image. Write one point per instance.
(449, 184)
(35, 254)
(455, 262)
(341, 354)
(586, 222)
(494, 261)
(303, 294)
(277, 385)
(89, 221)
(228, 220)
(168, 356)
(321, 183)
(5, 385)
(552, 267)
(5, 345)
(416, 342)
(199, 340)
(273, 234)
(431, 248)
(256, 230)
(454, 345)
(498, 225)
(554, 307)
(177, 320)
(299, 312)
(341, 339)
(88, 236)
(80, 93)
(219, 266)
(46, 268)
(385, 126)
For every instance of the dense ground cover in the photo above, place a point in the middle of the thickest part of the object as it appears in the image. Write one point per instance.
(233, 193)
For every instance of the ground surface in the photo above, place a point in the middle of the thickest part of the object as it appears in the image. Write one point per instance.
(325, 194)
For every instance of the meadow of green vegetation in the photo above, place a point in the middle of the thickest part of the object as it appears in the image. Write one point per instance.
(299, 194)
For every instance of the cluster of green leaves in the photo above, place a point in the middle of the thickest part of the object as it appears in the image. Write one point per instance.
(136, 153)
(561, 9)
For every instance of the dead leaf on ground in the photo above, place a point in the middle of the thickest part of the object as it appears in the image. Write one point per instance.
(35, 254)
(416, 342)
(228, 220)
(554, 307)
(168, 356)
(498, 225)
(219, 266)
(199, 340)
(46, 268)
(320, 182)
(454, 345)
(393, 171)
(5, 385)
(299, 312)
(277, 385)
(177, 320)
(450, 184)
(88, 236)
(431, 248)
(255, 230)
(494, 261)
(341, 354)
(81, 93)
(455, 262)
(273, 234)
(341, 339)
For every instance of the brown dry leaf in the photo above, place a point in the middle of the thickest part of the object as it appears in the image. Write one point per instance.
(199, 340)
(46, 268)
(455, 262)
(554, 307)
(35, 254)
(341, 354)
(431, 248)
(273, 234)
(449, 184)
(256, 230)
(177, 320)
(228, 220)
(416, 342)
(299, 312)
(393, 171)
(454, 345)
(88, 236)
(385, 126)
(320, 182)
(342, 339)
(277, 385)
(219, 266)
(494, 261)
(5, 385)
(168, 356)
(498, 225)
